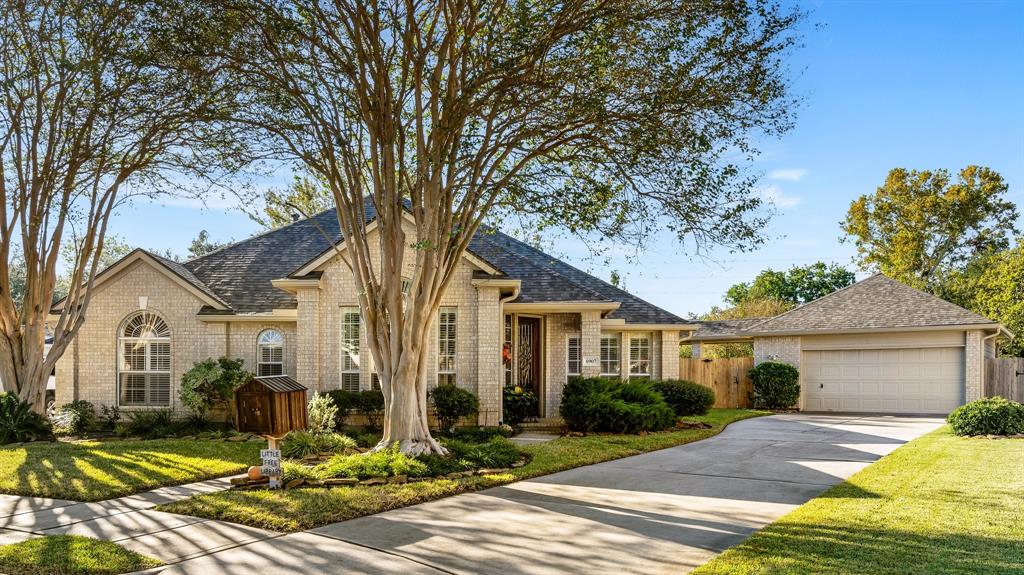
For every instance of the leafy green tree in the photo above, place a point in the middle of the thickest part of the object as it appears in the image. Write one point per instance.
(800, 284)
(921, 223)
(211, 382)
(992, 285)
(99, 101)
(615, 119)
(202, 245)
(306, 196)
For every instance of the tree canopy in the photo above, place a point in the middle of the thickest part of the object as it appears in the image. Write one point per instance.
(992, 284)
(613, 118)
(800, 284)
(919, 224)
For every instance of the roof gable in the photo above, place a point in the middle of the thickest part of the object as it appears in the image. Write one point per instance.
(878, 302)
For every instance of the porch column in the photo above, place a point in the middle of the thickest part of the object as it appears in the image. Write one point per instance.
(695, 346)
(669, 354)
(590, 342)
(307, 330)
(489, 335)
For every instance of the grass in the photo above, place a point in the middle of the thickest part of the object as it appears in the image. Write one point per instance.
(298, 509)
(940, 504)
(93, 471)
(70, 555)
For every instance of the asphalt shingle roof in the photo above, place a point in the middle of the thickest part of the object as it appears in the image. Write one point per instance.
(724, 328)
(240, 274)
(878, 302)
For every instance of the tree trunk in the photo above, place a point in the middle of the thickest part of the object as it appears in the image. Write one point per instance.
(405, 421)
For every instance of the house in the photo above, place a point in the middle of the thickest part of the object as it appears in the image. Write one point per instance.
(875, 346)
(285, 303)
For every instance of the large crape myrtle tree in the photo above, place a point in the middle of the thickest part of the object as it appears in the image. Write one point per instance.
(99, 100)
(613, 118)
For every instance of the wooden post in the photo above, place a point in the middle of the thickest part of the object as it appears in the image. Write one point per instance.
(271, 458)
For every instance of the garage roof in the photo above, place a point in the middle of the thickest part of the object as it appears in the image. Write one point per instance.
(878, 302)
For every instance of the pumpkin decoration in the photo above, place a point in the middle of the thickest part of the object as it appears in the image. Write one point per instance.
(255, 473)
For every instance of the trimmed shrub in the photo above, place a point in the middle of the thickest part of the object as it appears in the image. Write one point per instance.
(18, 423)
(299, 443)
(452, 403)
(595, 404)
(322, 414)
(776, 385)
(110, 416)
(685, 397)
(369, 404)
(212, 382)
(384, 463)
(75, 418)
(518, 405)
(990, 416)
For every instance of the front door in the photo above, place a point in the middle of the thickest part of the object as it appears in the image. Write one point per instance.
(529, 355)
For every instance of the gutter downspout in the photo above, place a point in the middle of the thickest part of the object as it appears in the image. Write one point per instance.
(501, 323)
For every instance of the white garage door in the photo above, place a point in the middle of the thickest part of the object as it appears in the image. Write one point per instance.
(917, 380)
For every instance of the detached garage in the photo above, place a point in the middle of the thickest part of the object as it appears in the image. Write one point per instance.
(878, 346)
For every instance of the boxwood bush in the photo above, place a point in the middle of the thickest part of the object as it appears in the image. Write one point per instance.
(451, 404)
(596, 404)
(685, 397)
(776, 385)
(990, 416)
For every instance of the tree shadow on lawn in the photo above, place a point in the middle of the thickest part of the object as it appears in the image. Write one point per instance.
(103, 471)
(788, 547)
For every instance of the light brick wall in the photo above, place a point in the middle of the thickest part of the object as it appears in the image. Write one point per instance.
(974, 365)
(590, 341)
(783, 349)
(559, 327)
(242, 338)
(91, 373)
(488, 340)
(669, 351)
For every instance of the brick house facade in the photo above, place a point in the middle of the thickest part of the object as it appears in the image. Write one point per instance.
(284, 302)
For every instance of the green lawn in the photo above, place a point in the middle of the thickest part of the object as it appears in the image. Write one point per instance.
(940, 504)
(298, 509)
(70, 555)
(92, 471)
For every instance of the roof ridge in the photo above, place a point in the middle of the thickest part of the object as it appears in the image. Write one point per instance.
(534, 264)
(262, 234)
(818, 299)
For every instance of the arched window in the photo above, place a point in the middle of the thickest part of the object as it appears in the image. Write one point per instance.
(270, 353)
(144, 363)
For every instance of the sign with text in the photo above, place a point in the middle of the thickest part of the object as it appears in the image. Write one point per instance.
(271, 464)
(591, 362)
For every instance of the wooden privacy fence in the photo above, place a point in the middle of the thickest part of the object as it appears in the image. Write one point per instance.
(1004, 377)
(728, 377)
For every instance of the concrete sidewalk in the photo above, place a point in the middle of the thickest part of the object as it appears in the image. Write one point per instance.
(129, 521)
(662, 512)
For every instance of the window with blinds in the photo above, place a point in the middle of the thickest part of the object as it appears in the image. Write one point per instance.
(446, 339)
(350, 342)
(270, 353)
(574, 355)
(610, 354)
(640, 356)
(144, 364)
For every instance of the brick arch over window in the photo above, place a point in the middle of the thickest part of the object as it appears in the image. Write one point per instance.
(144, 361)
(270, 353)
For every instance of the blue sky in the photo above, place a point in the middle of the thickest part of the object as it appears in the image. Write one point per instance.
(919, 85)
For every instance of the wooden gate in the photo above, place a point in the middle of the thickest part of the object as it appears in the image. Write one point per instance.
(1004, 376)
(728, 377)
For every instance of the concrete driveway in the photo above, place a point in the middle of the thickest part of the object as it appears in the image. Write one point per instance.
(662, 512)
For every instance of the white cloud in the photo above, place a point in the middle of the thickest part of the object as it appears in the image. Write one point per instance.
(774, 195)
(788, 174)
